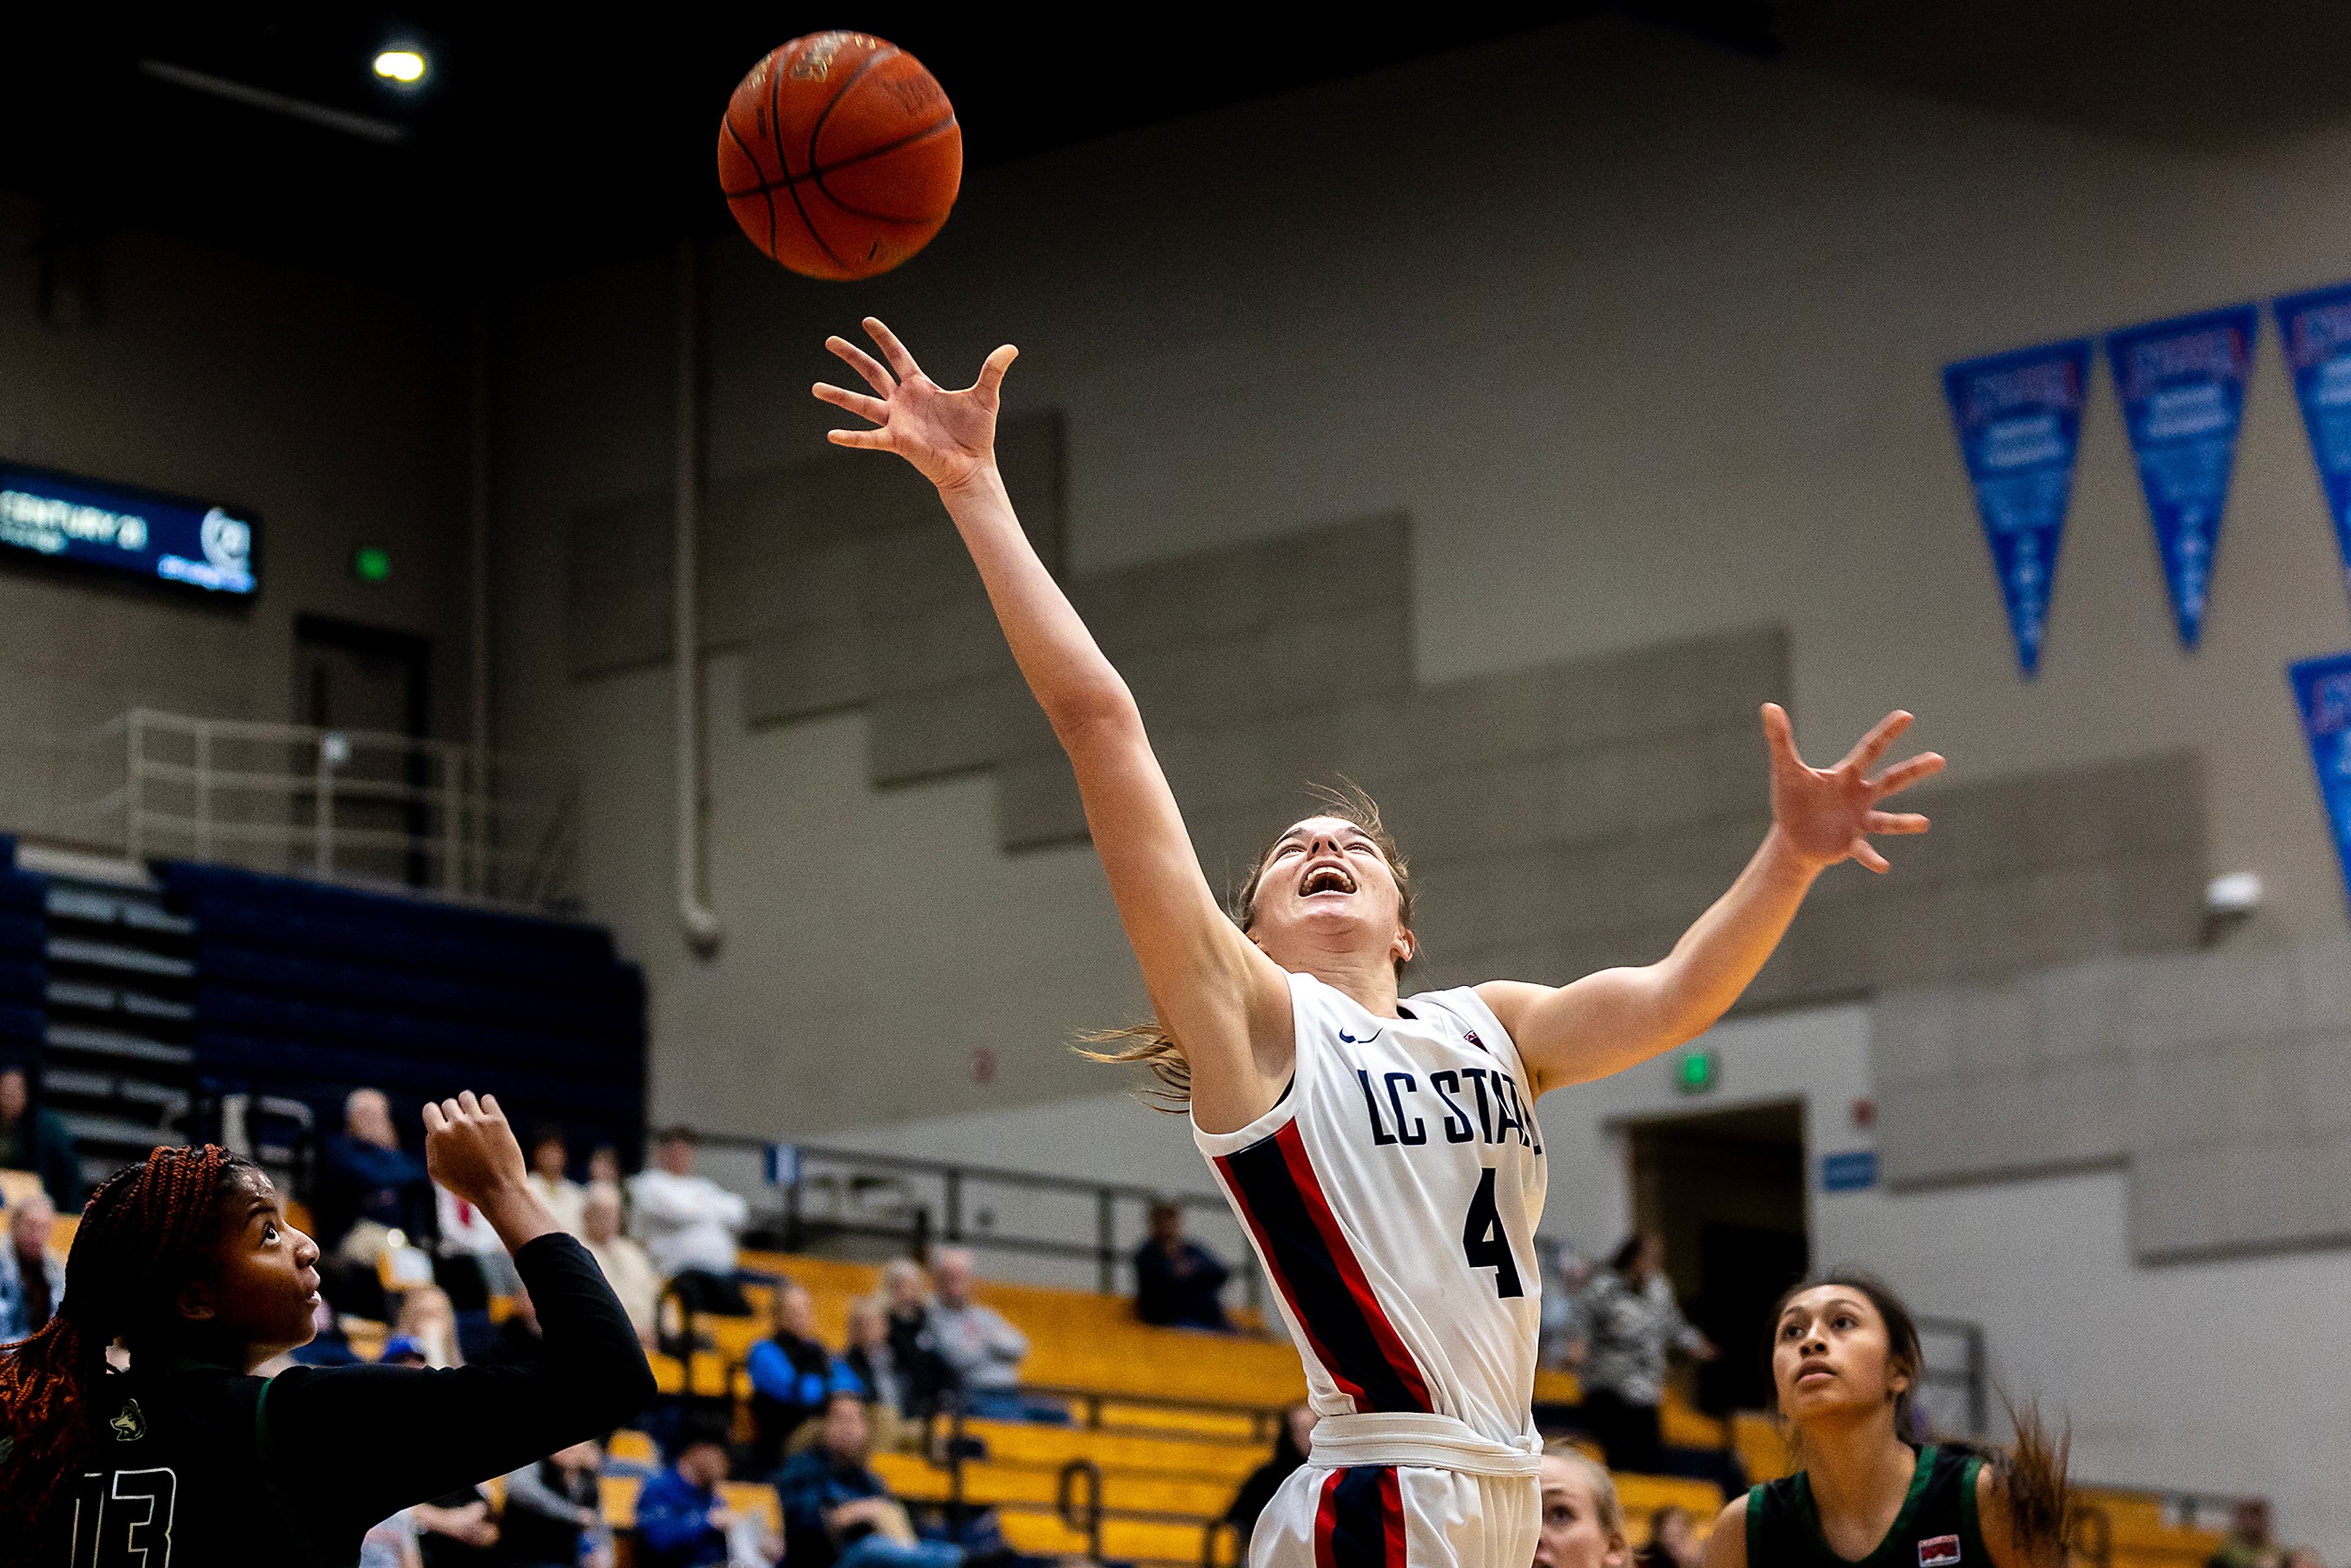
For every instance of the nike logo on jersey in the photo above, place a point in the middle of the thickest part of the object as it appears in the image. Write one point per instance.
(1367, 1039)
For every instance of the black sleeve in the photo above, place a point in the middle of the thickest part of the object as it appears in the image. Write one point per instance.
(365, 1441)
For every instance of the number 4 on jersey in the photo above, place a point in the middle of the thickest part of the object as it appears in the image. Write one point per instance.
(1486, 1244)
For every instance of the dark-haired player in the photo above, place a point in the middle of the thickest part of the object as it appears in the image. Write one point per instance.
(1845, 1360)
(185, 1458)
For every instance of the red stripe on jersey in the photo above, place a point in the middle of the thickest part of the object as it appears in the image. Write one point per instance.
(1265, 1252)
(1326, 1518)
(1392, 1516)
(1310, 1189)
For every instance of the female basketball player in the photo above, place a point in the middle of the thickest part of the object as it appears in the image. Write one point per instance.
(1845, 1360)
(186, 1459)
(1383, 1152)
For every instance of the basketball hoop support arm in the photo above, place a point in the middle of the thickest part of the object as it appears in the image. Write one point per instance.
(698, 920)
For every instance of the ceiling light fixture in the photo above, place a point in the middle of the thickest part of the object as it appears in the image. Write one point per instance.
(405, 67)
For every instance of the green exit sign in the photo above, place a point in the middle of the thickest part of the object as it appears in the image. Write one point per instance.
(1697, 1072)
(371, 563)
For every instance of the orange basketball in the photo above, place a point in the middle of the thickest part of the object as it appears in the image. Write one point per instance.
(840, 155)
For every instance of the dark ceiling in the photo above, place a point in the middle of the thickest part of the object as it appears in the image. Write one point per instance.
(534, 142)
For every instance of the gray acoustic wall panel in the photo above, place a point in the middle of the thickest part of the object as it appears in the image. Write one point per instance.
(2221, 1080)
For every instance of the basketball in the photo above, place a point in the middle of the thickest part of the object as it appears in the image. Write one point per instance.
(840, 155)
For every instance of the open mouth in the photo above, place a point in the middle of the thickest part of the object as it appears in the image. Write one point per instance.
(1813, 1372)
(1328, 877)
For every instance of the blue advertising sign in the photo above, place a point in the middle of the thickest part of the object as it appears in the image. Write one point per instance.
(2020, 422)
(2183, 389)
(132, 531)
(2317, 328)
(2322, 692)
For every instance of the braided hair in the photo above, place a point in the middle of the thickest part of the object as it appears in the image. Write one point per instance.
(148, 1230)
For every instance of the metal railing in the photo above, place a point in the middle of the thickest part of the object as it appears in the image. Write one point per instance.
(336, 805)
(925, 1202)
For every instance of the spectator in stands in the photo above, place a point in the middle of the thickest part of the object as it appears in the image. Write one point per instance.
(604, 1167)
(688, 1223)
(839, 1514)
(32, 1276)
(872, 1368)
(626, 1268)
(457, 1529)
(1582, 1524)
(369, 1185)
(1565, 1344)
(1291, 1444)
(401, 1350)
(791, 1373)
(518, 1341)
(1673, 1541)
(681, 1523)
(2248, 1543)
(470, 1243)
(34, 1138)
(923, 1373)
(983, 1351)
(1177, 1280)
(554, 1515)
(427, 1320)
(1633, 1321)
(562, 1196)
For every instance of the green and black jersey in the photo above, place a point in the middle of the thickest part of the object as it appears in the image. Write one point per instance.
(192, 1466)
(1935, 1528)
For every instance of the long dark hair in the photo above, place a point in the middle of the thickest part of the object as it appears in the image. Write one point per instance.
(2030, 1472)
(1150, 1043)
(148, 1230)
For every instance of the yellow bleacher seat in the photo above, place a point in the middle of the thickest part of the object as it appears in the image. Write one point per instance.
(1757, 1439)
(633, 1448)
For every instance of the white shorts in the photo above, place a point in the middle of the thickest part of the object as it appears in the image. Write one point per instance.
(1397, 1516)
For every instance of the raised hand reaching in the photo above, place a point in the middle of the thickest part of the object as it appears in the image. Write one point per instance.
(1826, 814)
(948, 436)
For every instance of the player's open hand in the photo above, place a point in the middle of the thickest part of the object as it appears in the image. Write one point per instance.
(949, 437)
(1826, 814)
(470, 1150)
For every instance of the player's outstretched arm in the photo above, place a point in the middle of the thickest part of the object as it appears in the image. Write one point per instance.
(1607, 1022)
(1226, 1002)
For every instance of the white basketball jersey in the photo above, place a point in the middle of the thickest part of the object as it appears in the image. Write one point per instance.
(1392, 1196)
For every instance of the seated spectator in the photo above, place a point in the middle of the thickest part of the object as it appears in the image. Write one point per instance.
(1176, 1280)
(428, 1321)
(837, 1511)
(1290, 1446)
(554, 1515)
(562, 1196)
(32, 1276)
(791, 1373)
(681, 1523)
(923, 1374)
(626, 1268)
(1673, 1541)
(34, 1138)
(369, 1185)
(871, 1369)
(983, 1351)
(518, 1341)
(470, 1242)
(604, 1167)
(401, 1350)
(688, 1224)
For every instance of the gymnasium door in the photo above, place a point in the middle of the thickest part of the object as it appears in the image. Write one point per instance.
(348, 677)
(1726, 1190)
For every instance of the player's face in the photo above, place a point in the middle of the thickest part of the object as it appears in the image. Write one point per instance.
(1830, 1357)
(267, 1286)
(1572, 1534)
(1326, 887)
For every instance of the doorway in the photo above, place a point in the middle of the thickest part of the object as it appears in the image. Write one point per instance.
(350, 677)
(1726, 1191)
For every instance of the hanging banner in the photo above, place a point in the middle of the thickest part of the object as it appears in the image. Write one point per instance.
(2183, 389)
(2321, 691)
(2317, 328)
(2020, 422)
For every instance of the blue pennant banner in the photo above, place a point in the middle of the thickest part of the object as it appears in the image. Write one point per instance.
(2322, 689)
(2183, 389)
(2317, 328)
(2020, 422)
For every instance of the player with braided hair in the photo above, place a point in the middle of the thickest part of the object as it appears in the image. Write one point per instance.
(188, 1259)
